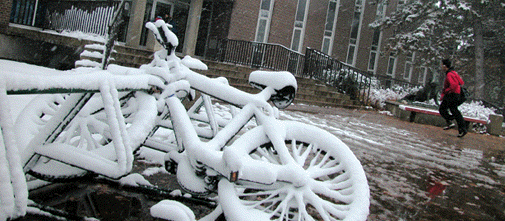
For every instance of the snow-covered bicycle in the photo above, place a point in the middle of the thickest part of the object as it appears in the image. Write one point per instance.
(279, 170)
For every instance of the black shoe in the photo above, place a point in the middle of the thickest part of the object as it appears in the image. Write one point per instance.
(462, 134)
(452, 125)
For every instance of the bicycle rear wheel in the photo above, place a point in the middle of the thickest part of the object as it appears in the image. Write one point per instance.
(337, 189)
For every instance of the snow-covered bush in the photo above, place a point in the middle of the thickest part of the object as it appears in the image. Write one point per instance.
(475, 109)
(378, 96)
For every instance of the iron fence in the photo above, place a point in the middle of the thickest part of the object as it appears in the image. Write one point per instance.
(347, 79)
(89, 16)
(314, 64)
(260, 55)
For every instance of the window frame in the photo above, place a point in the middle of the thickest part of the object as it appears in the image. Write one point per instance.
(391, 68)
(409, 64)
(330, 38)
(267, 19)
(299, 27)
(352, 50)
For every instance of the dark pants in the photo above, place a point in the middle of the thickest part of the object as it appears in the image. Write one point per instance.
(450, 103)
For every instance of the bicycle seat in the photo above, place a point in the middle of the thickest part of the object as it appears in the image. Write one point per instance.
(283, 82)
(275, 79)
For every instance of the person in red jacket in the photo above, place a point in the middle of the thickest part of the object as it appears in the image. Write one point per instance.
(451, 99)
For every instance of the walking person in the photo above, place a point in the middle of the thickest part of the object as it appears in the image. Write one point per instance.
(451, 99)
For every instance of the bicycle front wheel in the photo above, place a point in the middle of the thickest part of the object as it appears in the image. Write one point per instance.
(337, 189)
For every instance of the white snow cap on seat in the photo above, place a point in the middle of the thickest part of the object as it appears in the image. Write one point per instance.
(275, 79)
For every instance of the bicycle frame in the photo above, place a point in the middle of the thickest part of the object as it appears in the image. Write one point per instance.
(229, 161)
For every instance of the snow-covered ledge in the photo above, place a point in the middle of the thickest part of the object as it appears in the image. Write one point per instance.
(72, 39)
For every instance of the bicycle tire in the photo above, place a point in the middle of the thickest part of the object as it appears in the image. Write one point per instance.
(37, 112)
(341, 193)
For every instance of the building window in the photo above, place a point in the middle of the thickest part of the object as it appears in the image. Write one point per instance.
(355, 30)
(29, 12)
(299, 27)
(264, 18)
(391, 65)
(401, 4)
(376, 38)
(374, 50)
(407, 72)
(422, 75)
(329, 27)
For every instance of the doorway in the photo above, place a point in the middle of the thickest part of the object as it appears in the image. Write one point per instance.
(162, 9)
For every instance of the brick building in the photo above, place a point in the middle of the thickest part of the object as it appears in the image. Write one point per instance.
(339, 28)
(5, 11)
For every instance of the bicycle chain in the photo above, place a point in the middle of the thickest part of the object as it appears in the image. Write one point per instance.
(62, 178)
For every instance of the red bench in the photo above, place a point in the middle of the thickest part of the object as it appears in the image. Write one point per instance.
(415, 109)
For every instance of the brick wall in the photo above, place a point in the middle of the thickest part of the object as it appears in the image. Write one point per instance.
(244, 19)
(5, 12)
(316, 20)
(283, 18)
(342, 30)
(366, 37)
(383, 59)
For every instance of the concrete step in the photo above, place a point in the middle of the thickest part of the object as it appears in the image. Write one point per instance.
(130, 60)
(122, 49)
(309, 91)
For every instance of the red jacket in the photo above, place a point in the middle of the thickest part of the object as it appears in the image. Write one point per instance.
(452, 84)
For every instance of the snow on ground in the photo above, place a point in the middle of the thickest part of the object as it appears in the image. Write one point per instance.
(356, 133)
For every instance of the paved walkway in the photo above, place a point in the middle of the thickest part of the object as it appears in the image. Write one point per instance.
(415, 171)
(420, 172)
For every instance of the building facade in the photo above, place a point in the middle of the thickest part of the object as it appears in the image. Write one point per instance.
(339, 28)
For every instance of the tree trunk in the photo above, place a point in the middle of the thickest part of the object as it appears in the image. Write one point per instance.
(479, 60)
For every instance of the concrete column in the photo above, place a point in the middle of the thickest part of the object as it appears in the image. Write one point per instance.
(195, 10)
(495, 125)
(136, 25)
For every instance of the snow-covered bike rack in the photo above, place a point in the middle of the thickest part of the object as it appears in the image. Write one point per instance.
(278, 170)
(82, 87)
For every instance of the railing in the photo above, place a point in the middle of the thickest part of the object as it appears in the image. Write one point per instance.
(261, 55)
(348, 80)
(90, 17)
(314, 64)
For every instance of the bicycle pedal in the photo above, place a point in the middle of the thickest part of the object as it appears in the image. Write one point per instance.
(171, 166)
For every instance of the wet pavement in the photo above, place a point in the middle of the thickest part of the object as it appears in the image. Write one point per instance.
(415, 172)
(420, 172)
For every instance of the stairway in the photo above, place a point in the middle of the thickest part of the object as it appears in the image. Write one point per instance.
(310, 92)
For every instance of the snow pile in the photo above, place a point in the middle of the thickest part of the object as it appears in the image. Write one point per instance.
(78, 35)
(379, 96)
(475, 109)
(193, 63)
(134, 179)
(172, 210)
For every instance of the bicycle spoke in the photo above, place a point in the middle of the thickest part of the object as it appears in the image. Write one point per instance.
(320, 188)
(331, 191)
(282, 209)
